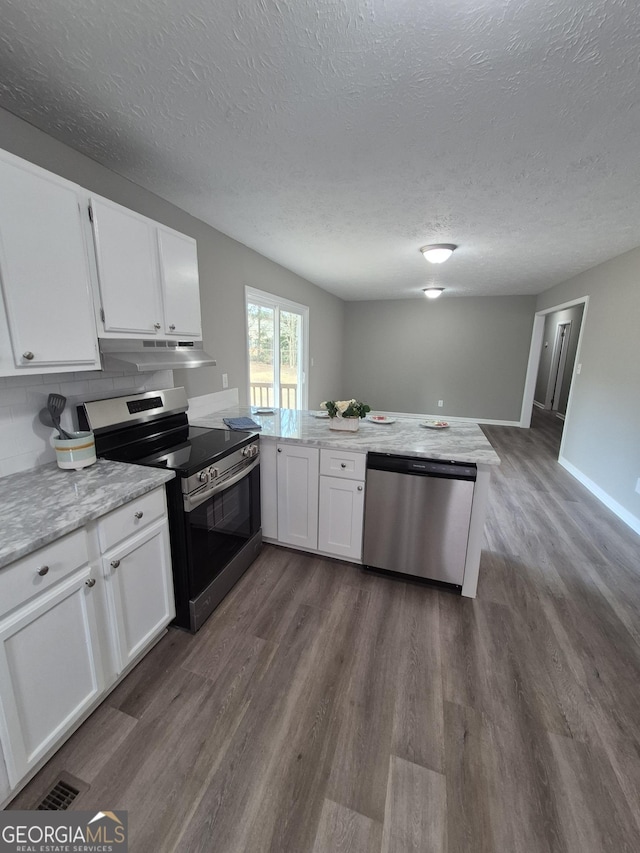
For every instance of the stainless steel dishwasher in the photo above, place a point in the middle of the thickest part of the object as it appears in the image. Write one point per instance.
(416, 516)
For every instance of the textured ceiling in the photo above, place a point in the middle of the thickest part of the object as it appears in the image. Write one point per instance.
(337, 137)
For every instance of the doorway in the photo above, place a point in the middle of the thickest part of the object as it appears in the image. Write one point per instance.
(557, 359)
(554, 359)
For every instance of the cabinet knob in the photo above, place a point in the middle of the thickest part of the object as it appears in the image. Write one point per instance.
(156, 326)
(343, 464)
(28, 355)
(91, 582)
(138, 514)
(359, 488)
(172, 327)
(115, 564)
(42, 571)
(279, 450)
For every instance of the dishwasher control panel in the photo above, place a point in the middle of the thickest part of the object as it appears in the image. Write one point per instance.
(416, 465)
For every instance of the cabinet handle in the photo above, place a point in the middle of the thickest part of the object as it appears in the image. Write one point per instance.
(115, 564)
(91, 582)
(42, 571)
(343, 464)
(172, 328)
(138, 514)
(156, 326)
(28, 355)
(359, 488)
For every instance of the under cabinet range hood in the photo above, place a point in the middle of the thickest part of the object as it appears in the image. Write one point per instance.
(147, 356)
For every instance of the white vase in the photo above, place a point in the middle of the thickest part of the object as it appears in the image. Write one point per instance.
(344, 424)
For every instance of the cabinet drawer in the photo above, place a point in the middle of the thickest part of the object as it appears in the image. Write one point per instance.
(128, 519)
(343, 463)
(22, 580)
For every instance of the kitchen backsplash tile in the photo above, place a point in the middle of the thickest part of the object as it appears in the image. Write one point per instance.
(26, 443)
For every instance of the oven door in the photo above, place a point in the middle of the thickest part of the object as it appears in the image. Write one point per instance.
(218, 528)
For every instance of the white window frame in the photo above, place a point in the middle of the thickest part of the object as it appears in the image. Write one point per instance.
(277, 303)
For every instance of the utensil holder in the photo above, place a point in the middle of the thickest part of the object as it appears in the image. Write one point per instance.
(76, 452)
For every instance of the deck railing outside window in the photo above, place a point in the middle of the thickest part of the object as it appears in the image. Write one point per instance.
(262, 395)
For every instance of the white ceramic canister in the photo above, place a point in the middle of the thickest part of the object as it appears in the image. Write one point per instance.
(76, 452)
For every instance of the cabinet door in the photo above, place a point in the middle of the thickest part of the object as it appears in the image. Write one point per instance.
(127, 262)
(50, 670)
(341, 517)
(4, 778)
(140, 590)
(297, 469)
(44, 270)
(180, 283)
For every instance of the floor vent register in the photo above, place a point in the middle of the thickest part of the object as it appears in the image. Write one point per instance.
(59, 797)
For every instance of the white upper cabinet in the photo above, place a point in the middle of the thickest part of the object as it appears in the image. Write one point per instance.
(180, 283)
(46, 315)
(128, 276)
(147, 275)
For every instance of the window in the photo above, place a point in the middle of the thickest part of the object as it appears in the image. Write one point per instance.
(277, 341)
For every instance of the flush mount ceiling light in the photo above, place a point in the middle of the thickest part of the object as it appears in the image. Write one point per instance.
(438, 253)
(432, 292)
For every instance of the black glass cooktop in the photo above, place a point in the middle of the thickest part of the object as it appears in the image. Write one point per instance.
(201, 447)
(185, 450)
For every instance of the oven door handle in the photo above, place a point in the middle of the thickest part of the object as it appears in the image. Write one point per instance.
(196, 500)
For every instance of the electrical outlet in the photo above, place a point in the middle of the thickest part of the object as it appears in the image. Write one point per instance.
(638, 486)
(225, 380)
(578, 368)
(441, 403)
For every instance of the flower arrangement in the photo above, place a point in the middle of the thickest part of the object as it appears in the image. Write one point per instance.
(345, 408)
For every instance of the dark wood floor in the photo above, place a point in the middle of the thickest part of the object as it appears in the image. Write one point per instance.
(322, 709)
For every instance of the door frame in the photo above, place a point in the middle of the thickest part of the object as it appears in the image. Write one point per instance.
(535, 351)
(278, 303)
(558, 365)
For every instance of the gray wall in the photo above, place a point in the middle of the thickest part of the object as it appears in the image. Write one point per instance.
(225, 267)
(552, 321)
(471, 352)
(602, 431)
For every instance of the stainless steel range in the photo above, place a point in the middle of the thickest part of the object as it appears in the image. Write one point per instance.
(214, 501)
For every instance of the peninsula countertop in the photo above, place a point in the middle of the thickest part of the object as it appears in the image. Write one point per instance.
(46, 503)
(462, 441)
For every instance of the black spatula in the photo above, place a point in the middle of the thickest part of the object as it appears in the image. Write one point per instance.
(55, 407)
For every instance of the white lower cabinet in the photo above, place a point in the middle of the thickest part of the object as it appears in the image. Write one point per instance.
(139, 590)
(269, 489)
(5, 787)
(50, 669)
(297, 469)
(313, 499)
(74, 615)
(341, 514)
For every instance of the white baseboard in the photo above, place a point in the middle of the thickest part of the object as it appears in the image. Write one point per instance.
(616, 508)
(489, 421)
(538, 405)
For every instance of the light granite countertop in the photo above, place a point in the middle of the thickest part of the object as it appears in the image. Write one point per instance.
(463, 441)
(45, 503)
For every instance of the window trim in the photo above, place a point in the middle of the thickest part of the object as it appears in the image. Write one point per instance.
(279, 303)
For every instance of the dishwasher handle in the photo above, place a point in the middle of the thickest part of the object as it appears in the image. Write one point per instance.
(421, 467)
